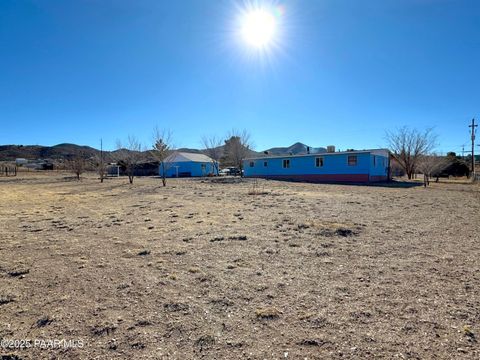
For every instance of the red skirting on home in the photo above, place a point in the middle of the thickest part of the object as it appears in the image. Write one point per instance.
(378, 178)
(325, 178)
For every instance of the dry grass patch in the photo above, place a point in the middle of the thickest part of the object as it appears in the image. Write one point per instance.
(5, 299)
(331, 228)
(269, 312)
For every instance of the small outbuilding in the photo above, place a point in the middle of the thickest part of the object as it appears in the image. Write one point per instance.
(21, 161)
(184, 164)
(343, 167)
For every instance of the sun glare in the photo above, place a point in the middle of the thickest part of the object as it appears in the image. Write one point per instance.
(258, 28)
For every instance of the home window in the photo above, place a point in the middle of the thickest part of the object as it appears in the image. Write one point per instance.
(352, 160)
(252, 164)
(374, 161)
(265, 163)
(286, 163)
(319, 162)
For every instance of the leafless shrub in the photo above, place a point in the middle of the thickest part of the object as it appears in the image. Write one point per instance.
(257, 189)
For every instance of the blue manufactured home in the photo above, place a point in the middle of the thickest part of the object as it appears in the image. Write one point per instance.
(183, 164)
(349, 166)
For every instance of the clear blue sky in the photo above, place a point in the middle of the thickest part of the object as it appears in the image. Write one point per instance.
(75, 71)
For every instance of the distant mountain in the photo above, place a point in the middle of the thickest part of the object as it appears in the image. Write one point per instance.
(296, 149)
(33, 152)
(188, 150)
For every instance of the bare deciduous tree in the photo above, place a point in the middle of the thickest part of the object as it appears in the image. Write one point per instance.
(77, 164)
(237, 147)
(213, 149)
(409, 145)
(100, 166)
(432, 165)
(162, 145)
(129, 155)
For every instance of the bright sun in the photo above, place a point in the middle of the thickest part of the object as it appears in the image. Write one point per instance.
(258, 28)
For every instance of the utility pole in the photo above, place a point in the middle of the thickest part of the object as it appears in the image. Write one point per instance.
(473, 130)
(102, 165)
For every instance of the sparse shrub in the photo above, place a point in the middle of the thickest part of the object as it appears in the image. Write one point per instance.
(256, 190)
(46, 320)
(5, 299)
(311, 342)
(205, 341)
(18, 272)
(174, 307)
(306, 315)
(469, 333)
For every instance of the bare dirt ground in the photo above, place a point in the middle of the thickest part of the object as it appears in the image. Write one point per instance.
(201, 269)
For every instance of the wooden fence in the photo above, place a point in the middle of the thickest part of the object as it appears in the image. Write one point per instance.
(6, 170)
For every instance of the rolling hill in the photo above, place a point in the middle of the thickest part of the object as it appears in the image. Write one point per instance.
(62, 151)
(33, 152)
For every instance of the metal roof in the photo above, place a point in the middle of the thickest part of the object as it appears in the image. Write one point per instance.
(317, 154)
(185, 157)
